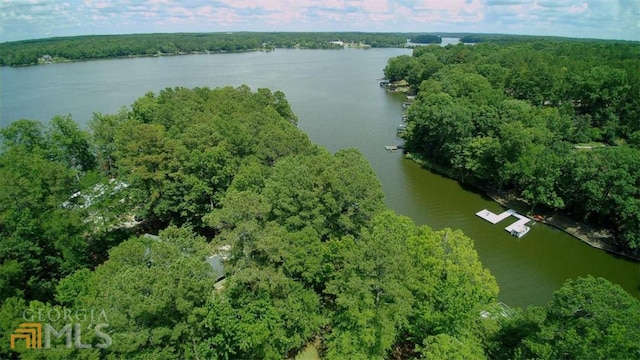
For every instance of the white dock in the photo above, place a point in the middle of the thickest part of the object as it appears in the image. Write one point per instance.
(493, 218)
(518, 228)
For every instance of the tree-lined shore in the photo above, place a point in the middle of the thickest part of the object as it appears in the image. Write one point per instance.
(311, 255)
(553, 122)
(91, 47)
(60, 49)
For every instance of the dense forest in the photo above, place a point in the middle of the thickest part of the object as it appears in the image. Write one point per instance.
(28, 52)
(311, 254)
(556, 122)
(426, 39)
(508, 38)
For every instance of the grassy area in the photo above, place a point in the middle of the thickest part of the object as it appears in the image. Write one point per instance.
(592, 144)
(309, 353)
(589, 145)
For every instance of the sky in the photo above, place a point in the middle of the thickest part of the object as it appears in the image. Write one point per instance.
(601, 19)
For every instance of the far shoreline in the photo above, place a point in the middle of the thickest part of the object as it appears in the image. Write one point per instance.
(63, 60)
(135, 56)
(596, 237)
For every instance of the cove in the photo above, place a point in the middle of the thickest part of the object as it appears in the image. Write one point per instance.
(336, 96)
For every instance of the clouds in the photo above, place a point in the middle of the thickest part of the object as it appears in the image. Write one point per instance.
(33, 17)
(24, 19)
(579, 18)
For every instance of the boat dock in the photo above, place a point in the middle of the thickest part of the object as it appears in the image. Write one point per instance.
(391, 148)
(518, 228)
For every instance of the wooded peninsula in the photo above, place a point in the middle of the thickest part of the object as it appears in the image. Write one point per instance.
(60, 49)
(203, 224)
(554, 122)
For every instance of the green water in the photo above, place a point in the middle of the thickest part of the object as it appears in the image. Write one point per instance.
(529, 269)
(340, 105)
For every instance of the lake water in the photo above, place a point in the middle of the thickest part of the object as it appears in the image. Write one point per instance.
(336, 95)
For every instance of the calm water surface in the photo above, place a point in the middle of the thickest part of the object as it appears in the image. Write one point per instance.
(340, 105)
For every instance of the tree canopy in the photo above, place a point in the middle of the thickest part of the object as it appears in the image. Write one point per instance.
(309, 252)
(553, 121)
(588, 318)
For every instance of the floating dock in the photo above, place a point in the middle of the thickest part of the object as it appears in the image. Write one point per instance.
(518, 228)
(394, 147)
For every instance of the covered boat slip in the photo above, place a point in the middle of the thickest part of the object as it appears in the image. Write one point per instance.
(518, 228)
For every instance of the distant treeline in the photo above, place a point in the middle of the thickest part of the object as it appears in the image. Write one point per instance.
(29, 52)
(505, 38)
(61, 49)
(426, 39)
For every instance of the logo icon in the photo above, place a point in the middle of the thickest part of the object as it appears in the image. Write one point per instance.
(31, 333)
(70, 326)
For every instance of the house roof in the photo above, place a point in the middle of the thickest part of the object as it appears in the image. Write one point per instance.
(216, 264)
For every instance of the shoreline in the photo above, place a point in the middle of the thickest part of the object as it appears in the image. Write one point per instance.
(135, 56)
(594, 236)
(597, 237)
(60, 60)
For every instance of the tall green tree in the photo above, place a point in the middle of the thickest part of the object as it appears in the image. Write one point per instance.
(587, 318)
(70, 145)
(103, 130)
(336, 195)
(451, 287)
(41, 241)
(153, 292)
(369, 290)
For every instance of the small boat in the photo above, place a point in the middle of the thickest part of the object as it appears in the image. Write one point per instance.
(520, 231)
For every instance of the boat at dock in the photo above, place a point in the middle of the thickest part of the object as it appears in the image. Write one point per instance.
(517, 229)
(391, 148)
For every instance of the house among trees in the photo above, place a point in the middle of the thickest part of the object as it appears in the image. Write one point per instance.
(48, 59)
(216, 261)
